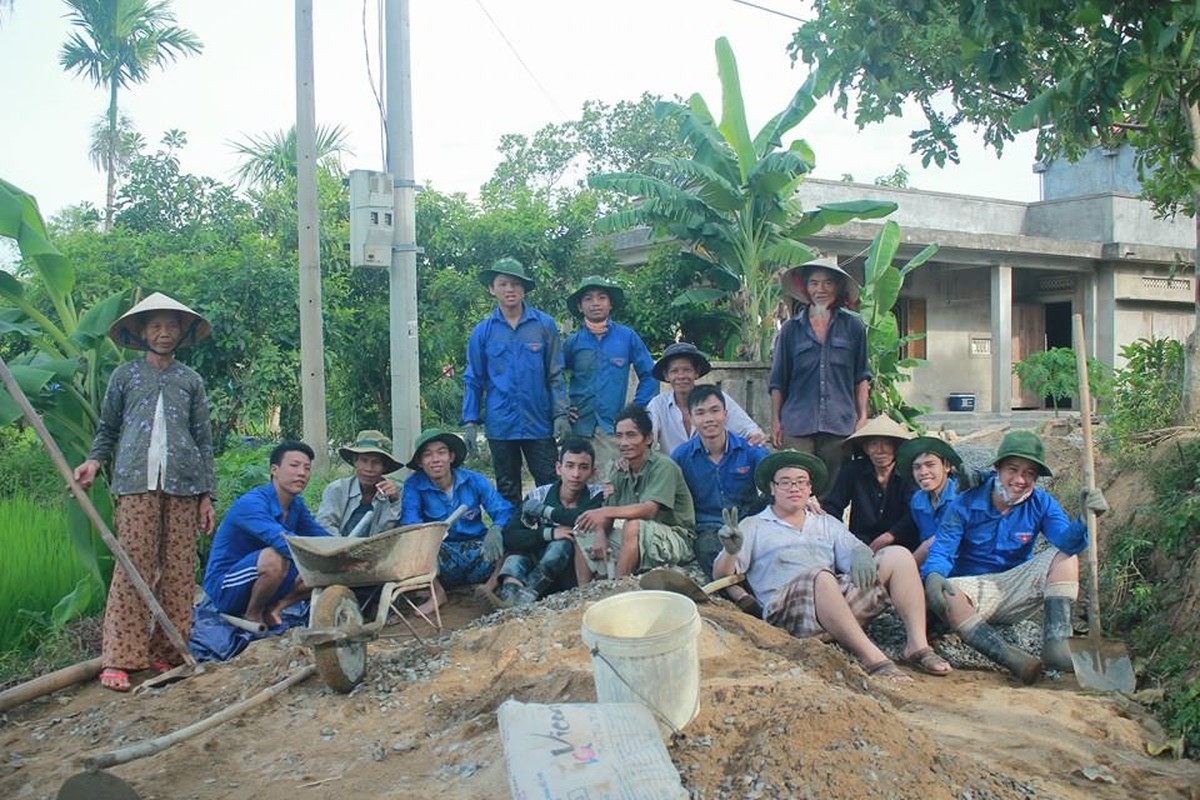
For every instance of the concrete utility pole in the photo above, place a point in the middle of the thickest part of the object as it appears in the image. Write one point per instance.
(312, 339)
(405, 367)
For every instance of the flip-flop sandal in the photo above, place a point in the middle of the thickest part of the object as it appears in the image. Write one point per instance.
(115, 679)
(887, 669)
(928, 661)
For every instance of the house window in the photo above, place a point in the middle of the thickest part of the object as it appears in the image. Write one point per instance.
(910, 318)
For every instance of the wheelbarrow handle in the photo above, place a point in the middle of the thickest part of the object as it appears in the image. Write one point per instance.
(453, 518)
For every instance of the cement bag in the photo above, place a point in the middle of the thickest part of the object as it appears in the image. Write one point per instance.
(599, 751)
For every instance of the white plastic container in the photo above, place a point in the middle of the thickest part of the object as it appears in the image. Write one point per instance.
(651, 640)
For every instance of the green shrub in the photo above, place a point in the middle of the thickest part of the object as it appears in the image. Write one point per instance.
(26, 469)
(1144, 578)
(1145, 392)
(1053, 373)
(39, 569)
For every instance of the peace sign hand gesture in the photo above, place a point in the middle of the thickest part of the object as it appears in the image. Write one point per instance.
(730, 536)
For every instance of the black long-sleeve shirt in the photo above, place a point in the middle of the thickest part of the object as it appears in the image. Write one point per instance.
(874, 509)
(522, 535)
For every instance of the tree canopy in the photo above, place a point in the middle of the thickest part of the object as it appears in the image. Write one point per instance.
(1083, 73)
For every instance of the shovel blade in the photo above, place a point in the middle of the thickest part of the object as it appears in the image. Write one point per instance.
(99, 785)
(1102, 665)
(668, 580)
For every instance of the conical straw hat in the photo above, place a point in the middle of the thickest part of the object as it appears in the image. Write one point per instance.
(127, 331)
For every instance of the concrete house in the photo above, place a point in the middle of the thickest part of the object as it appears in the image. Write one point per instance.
(1009, 275)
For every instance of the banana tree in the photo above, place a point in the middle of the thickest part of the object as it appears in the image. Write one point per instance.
(732, 204)
(881, 288)
(60, 358)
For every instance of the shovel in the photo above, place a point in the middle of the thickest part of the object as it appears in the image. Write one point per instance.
(668, 580)
(1099, 663)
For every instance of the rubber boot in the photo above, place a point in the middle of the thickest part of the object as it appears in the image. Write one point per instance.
(987, 640)
(1056, 630)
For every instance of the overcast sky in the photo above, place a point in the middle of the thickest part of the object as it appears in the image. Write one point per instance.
(480, 68)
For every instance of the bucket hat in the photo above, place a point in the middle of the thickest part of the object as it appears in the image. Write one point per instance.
(909, 451)
(371, 443)
(764, 473)
(881, 425)
(1027, 445)
(451, 440)
(507, 266)
(794, 281)
(698, 359)
(127, 330)
(615, 293)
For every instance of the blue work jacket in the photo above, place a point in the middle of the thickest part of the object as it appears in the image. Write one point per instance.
(726, 484)
(425, 501)
(514, 377)
(976, 539)
(255, 521)
(924, 515)
(600, 375)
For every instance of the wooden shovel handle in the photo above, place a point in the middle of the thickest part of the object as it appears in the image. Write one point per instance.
(143, 590)
(1089, 478)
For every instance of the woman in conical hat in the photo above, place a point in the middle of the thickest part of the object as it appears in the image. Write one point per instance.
(154, 425)
(876, 493)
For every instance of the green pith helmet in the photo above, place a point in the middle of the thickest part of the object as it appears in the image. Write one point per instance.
(615, 293)
(507, 266)
(371, 442)
(809, 462)
(451, 440)
(910, 450)
(1027, 445)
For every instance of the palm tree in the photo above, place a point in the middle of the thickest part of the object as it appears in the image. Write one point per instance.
(129, 144)
(269, 159)
(732, 203)
(116, 43)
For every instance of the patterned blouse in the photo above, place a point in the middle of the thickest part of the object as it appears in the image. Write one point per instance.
(127, 418)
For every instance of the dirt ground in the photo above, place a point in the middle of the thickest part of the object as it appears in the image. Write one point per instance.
(778, 717)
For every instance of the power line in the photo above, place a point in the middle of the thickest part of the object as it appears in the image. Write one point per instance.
(770, 10)
(520, 60)
(371, 79)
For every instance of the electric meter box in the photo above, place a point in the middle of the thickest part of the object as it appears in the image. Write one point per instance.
(372, 217)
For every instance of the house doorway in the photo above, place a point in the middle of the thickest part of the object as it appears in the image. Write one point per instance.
(1058, 334)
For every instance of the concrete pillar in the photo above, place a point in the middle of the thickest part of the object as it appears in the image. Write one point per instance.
(1002, 377)
(1105, 333)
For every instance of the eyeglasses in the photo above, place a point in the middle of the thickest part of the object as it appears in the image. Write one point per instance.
(793, 483)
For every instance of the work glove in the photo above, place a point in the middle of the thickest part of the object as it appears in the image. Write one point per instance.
(729, 534)
(533, 508)
(470, 435)
(493, 544)
(1093, 500)
(937, 589)
(862, 568)
(562, 428)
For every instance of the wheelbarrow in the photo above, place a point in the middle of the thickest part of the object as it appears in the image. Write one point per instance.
(402, 560)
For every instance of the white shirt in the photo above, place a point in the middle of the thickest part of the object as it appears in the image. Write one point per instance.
(775, 552)
(156, 458)
(667, 418)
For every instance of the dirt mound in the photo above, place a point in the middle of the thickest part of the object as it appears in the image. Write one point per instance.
(779, 718)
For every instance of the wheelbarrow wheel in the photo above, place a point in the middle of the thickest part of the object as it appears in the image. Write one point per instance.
(340, 664)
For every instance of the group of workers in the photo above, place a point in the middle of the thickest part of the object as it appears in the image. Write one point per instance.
(671, 478)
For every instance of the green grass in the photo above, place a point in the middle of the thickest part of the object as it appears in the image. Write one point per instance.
(39, 567)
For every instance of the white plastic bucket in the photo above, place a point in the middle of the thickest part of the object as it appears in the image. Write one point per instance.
(651, 640)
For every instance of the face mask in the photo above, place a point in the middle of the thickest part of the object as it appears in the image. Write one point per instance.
(1004, 498)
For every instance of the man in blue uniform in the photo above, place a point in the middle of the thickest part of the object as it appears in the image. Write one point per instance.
(436, 488)
(250, 571)
(982, 567)
(718, 466)
(598, 357)
(513, 382)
